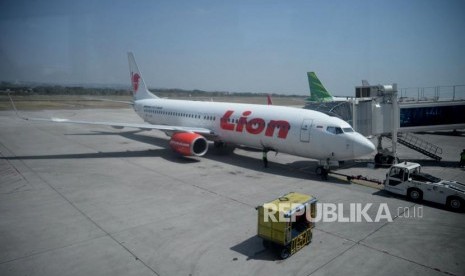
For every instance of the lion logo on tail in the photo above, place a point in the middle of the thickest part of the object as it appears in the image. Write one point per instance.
(135, 81)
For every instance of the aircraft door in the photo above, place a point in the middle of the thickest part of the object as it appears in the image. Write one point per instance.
(305, 130)
(395, 177)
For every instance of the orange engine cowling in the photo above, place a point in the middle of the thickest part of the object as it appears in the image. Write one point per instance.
(188, 144)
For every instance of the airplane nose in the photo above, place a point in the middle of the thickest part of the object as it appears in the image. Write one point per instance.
(363, 146)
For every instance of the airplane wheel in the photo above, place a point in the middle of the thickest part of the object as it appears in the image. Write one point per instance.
(222, 148)
(378, 159)
(324, 174)
(219, 144)
(390, 160)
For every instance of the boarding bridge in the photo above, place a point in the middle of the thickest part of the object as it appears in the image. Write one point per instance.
(374, 118)
(431, 116)
(341, 110)
(375, 113)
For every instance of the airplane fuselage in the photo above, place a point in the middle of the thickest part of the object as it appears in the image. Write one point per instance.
(295, 131)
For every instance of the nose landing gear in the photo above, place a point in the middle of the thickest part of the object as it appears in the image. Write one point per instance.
(325, 167)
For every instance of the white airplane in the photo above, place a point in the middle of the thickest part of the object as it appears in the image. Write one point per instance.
(190, 124)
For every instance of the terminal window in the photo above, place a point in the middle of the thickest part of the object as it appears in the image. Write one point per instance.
(436, 115)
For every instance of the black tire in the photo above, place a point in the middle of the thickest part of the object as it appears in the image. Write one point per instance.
(284, 253)
(390, 160)
(454, 203)
(414, 194)
(378, 161)
(324, 174)
(222, 148)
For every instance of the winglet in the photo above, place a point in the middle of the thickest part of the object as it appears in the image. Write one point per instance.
(139, 88)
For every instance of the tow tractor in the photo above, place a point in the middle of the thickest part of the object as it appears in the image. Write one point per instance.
(285, 224)
(407, 179)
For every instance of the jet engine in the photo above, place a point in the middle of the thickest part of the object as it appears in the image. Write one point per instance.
(189, 144)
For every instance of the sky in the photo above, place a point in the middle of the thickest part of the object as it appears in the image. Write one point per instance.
(238, 46)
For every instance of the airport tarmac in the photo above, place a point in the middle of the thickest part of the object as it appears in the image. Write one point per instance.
(88, 200)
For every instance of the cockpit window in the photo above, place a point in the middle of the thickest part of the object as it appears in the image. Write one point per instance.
(348, 129)
(334, 130)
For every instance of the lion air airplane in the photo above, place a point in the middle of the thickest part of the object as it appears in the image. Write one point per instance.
(190, 124)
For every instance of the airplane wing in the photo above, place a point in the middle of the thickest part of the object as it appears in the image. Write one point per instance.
(119, 125)
(123, 125)
(109, 100)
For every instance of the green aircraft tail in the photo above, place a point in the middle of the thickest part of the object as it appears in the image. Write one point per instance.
(318, 92)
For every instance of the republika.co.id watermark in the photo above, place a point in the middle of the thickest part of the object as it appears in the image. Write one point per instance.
(340, 212)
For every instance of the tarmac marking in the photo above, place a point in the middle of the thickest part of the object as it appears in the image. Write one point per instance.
(93, 222)
(11, 179)
(84, 215)
(399, 257)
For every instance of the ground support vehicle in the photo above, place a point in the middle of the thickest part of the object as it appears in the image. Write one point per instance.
(285, 224)
(407, 179)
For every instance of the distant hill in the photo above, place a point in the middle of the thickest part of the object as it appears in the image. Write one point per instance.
(31, 88)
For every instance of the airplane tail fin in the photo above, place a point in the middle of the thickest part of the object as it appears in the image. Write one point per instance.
(268, 99)
(318, 92)
(139, 89)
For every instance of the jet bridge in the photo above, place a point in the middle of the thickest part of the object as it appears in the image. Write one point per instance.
(429, 116)
(378, 111)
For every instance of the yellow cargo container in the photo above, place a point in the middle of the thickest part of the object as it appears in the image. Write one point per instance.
(285, 224)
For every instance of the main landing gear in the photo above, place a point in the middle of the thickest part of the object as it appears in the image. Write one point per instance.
(223, 148)
(265, 151)
(385, 158)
